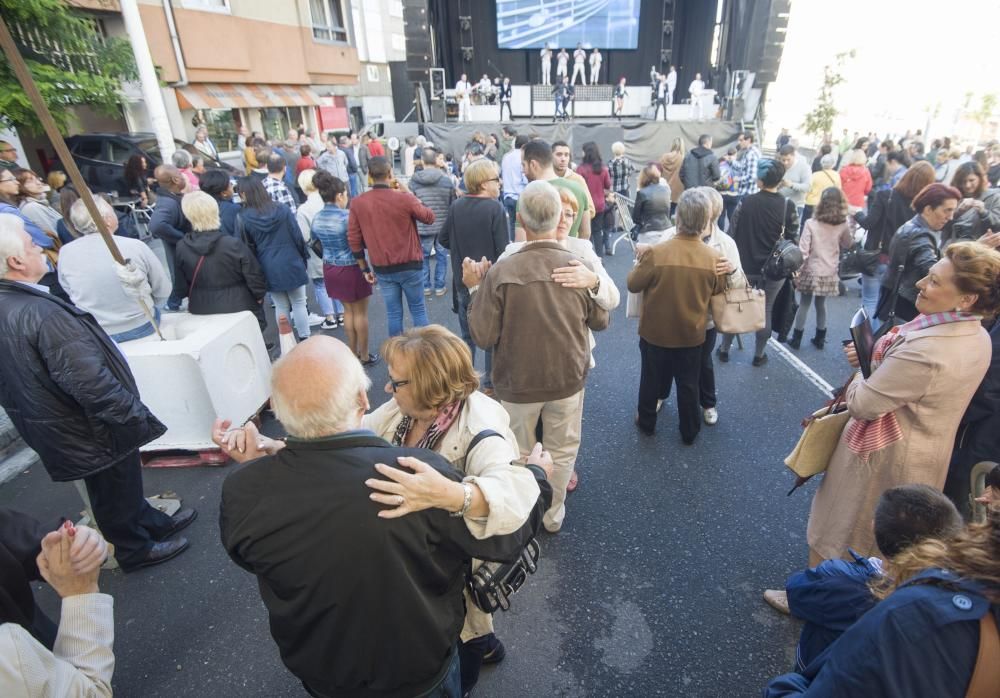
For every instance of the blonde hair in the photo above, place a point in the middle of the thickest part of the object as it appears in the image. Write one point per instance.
(56, 179)
(568, 199)
(478, 173)
(716, 200)
(977, 270)
(201, 210)
(617, 148)
(305, 181)
(857, 157)
(439, 365)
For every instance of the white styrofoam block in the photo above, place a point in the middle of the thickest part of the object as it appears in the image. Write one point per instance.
(208, 366)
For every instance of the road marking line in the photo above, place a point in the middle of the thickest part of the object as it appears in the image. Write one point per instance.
(802, 367)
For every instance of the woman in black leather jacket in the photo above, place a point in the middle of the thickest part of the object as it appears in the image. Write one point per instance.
(914, 249)
(651, 213)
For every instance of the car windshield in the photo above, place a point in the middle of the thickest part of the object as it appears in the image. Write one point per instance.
(152, 149)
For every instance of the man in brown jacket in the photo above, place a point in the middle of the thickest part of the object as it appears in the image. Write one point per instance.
(677, 279)
(537, 330)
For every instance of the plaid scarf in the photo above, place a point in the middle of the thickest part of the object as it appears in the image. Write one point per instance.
(865, 436)
(446, 416)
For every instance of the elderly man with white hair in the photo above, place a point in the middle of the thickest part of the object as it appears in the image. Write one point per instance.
(537, 328)
(89, 275)
(359, 602)
(71, 396)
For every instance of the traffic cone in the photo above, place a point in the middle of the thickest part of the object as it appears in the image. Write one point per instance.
(286, 339)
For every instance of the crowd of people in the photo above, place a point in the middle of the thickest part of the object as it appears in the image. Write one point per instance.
(462, 464)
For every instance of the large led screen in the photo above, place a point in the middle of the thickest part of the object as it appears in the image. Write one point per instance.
(608, 24)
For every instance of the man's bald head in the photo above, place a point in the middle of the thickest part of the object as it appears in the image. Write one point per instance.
(319, 389)
(170, 178)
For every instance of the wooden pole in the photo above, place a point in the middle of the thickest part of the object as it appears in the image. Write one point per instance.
(52, 131)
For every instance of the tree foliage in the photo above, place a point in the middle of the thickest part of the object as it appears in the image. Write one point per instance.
(69, 60)
(819, 122)
(987, 105)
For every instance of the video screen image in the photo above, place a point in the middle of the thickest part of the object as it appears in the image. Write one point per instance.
(606, 24)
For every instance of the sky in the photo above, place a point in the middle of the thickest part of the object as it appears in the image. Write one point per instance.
(910, 56)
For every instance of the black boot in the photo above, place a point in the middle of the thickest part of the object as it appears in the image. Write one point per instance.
(820, 339)
(796, 341)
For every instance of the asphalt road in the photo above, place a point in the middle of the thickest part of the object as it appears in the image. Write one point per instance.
(653, 587)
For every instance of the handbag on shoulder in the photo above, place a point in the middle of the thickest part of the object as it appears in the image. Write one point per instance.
(738, 310)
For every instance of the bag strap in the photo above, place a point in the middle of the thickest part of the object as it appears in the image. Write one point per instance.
(986, 674)
(484, 434)
(194, 277)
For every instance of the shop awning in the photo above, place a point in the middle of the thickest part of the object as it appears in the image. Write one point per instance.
(236, 96)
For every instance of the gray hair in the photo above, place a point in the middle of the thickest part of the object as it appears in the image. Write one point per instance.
(716, 201)
(181, 159)
(11, 240)
(539, 207)
(81, 219)
(201, 210)
(335, 415)
(694, 212)
(828, 161)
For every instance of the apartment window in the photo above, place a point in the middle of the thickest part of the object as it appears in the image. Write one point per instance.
(210, 5)
(328, 21)
(373, 75)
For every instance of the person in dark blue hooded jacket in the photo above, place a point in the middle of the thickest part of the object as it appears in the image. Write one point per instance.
(832, 596)
(924, 639)
(272, 233)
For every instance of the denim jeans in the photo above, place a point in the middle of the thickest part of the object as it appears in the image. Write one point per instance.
(139, 332)
(393, 286)
(327, 305)
(354, 183)
(440, 265)
(510, 206)
(292, 304)
(870, 286)
(464, 298)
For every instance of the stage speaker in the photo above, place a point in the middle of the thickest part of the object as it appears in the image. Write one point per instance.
(767, 39)
(419, 51)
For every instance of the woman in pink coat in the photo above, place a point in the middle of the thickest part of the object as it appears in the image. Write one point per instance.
(856, 180)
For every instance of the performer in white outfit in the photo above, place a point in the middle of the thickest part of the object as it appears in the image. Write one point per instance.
(462, 90)
(696, 88)
(671, 84)
(546, 65)
(562, 64)
(579, 65)
(595, 65)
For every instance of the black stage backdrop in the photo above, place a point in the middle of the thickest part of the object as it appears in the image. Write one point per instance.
(694, 22)
(645, 141)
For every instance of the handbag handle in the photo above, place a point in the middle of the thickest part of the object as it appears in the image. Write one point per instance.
(841, 396)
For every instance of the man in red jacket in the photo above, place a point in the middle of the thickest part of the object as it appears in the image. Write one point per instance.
(383, 221)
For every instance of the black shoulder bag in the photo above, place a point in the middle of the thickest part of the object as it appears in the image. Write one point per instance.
(492, 584)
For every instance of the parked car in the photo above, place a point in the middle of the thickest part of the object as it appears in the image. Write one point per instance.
(101, 157)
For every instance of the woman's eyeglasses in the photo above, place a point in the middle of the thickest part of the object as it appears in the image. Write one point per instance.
(396, 385)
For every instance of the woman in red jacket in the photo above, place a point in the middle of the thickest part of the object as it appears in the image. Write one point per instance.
(856, 180)
(595, 174)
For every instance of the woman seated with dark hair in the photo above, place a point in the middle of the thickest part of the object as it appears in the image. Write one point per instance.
(217, 184)
(134, 180)
(978, 211)
(216, 272)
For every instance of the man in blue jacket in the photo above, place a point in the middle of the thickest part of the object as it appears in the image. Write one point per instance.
(832, 596)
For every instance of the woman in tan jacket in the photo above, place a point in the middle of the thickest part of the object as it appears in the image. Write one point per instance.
(670, 170)
(905, 415)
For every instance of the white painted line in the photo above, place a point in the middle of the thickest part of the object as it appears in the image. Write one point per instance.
(801, 366)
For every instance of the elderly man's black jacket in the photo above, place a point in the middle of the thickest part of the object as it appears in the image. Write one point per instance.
(359, 606)
(66, 387)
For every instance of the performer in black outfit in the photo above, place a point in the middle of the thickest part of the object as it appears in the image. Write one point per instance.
(661, 93)
(620, 93)
(564, 93)
(505, 93)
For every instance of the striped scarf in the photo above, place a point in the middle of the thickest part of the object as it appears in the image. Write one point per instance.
(865, 436)
(447, 416)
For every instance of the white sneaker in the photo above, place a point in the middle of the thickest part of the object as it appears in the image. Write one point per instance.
(711, 415)
(315, 319)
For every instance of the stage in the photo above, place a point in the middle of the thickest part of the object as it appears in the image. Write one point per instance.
(645, 141)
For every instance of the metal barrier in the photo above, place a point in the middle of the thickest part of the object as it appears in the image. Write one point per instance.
(623, 214)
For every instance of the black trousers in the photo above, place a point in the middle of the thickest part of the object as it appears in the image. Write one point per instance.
(656, 110)
(661, 367)
(509, 112)
(706, 379)
(124, 516)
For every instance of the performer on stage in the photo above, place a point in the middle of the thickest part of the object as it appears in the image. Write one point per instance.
(505, 93)
(485, 89)
(661, 93)
(562, 64)
(564, 92)
(462, 96)
(671, 84)
(654, 80)
(579, 65)
(696, 89)
(595, 65)
(620, 93)
(546, 65)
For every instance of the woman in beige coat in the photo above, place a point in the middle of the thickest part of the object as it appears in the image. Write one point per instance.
(905, 415)
(670, 170)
